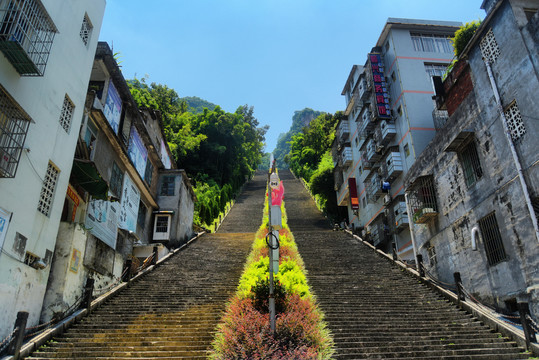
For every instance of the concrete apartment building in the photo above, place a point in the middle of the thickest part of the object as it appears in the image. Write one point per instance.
(47, 47)
(125, 194)
(474, 211)
(391, 119)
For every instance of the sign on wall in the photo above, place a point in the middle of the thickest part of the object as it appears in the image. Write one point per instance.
(129, 205)
(113, 107)
(75, 261)
(137, 152)
(164, 156)
(4, 223)
(381, 95)
(102, 220)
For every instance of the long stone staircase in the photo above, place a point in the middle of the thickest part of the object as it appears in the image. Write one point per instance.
(173, 311)
(373, 309)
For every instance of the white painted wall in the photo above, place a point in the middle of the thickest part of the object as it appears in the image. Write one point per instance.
(22, 288)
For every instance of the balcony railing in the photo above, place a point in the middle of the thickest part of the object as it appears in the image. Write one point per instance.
(364, 91)
(385, 132)
(26, 35)
(343, 130)
(393, 163)
(374, 188)
(401, 216)
(346, 156)
(422, 199)
(372, 154)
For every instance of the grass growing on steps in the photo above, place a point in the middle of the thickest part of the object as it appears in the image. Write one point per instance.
(244, 332)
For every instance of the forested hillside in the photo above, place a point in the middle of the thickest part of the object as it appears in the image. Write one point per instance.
(217, 149)
(299, 120)
(196, 105)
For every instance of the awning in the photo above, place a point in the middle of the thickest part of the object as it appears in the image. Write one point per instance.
(85, 175)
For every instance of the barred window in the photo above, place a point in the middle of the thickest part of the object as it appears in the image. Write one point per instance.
(148, 173)
(141, 218)
(26, 35)
(67, 114)
(469, 159)
(14, 124)
(167, 187)
(86, 29)
(493, 239)
(514, 121)
(116, 179)
(435, 69)
(161, 223)
(47, 191)
(489, 47)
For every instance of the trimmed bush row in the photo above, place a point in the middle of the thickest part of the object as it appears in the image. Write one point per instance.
(244, 332)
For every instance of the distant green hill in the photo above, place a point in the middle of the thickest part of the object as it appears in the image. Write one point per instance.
(197, 105)
(300, 119)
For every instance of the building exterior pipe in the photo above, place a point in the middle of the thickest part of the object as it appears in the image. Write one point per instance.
(513, 150)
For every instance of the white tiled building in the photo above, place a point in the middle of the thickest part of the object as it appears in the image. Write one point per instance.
(48, 48)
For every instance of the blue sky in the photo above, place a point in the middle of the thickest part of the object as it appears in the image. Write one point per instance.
(276, 55)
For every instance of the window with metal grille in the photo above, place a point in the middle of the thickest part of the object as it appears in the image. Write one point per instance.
(161, 223)
(514, 121)
(67, 114)
(14, 123)
(489, 47)
(47, 191)
(431, 43)
(116, 179)
(492, 239)
(26, 35)
(30, 258)
(148, 173)
(470, 164)
(167, 187)
(86, 29)
(141, 218)
(435, 69)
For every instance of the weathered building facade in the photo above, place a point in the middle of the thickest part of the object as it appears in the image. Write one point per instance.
(109, 209)
(472, 210)
(47, 50)
(390, 121)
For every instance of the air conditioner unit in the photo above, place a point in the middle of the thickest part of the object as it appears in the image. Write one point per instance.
(386, 212)
(387, 199)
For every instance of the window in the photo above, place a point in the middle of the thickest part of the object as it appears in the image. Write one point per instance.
(470, 164)
(86, 29)
(14, 125)
(116, 179)
(514, 121)
(67, 114)
(399, 110)
(493, 239)
(161, 224)
(489, 47)
(47, 191)
(141, 218)
(431, 43)
(435, 69)
(30, 258)
(148, 173)
(393, 76)
(406, 150)
(529, 13)
(90, 136)
(26, 35)
(167, 187)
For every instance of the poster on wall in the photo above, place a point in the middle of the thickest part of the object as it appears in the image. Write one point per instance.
(102, 220)
(4, 223)
(164, 156)
(129, 205)
(137, 152)
(113, 108)
(75, 261)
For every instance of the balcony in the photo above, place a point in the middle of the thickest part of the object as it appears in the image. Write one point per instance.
(364, 91)
(343, 131)
(373, 187)
(439, 117)
(372, 151)
(385, 133)
(422, 199)
(346, 156)
(26, 35)
(401, 216)
(393, 165)
(379, 231)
